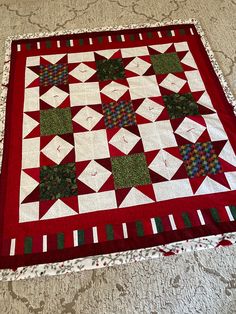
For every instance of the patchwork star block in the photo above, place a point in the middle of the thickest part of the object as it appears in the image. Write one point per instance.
(200, 159)
(180, 105)
(57, 181)
(53, 74)
(129, 171)
(119, 114)
(111, 69)
(55, 121)
(166, 63)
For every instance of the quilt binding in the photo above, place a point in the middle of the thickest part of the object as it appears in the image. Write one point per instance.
(104, 260)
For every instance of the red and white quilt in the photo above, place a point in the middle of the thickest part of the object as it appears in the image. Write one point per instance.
(114, 141)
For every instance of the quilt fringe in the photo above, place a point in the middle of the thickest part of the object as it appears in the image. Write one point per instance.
(120, 257)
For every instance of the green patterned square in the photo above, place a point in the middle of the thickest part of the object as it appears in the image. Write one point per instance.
(55, 121)
(57, 181)
(130, 171)
(112, 69)
(180, 105)
(166, 63)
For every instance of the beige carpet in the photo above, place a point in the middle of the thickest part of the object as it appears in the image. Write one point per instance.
(204, 282)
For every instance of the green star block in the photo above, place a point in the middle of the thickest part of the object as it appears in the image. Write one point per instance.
(57, 181)
(112, 69)
(55, 121)
(130, 170)
(166, 63)
(180, 105)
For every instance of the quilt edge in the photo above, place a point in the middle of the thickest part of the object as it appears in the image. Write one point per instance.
(3, 93)
(119, 258)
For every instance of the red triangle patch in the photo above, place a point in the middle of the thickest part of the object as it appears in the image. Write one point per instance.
(45, 206)
(121, 195)
(147, 190)
(71, 201)
(33, 196)
(33, 173)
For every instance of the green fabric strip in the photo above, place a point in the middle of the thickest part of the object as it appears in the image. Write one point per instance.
(81, 41)
(131, 36)
(48, 44)
(159, 224)
(60, 241)
(28, 244)
(233, 211)
(182, 31)
(169, 33)
(215, 215)
(100, 39)
(186, 219)
(109, 232)
(80, 237)
(139, 228)
(28, 46)
(118, 37)
(68, 43)
(149, 34)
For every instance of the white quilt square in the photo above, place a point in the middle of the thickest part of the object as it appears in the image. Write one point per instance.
(81, 57)
(30, 153)
(97, 201)
(134, 52)
(31, 101)
(172, 189)
(181, 46)
(29, 212)
(91, 145)
(32, 61)
(195, 81)
(215, 127)
(143, 87)
(157, 135)
(84, 94)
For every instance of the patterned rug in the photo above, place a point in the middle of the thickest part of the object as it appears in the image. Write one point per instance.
(119, 146)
